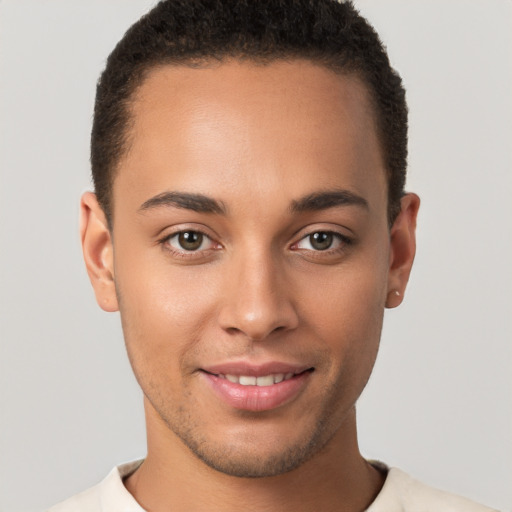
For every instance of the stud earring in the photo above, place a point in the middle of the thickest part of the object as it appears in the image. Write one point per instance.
(390, 303)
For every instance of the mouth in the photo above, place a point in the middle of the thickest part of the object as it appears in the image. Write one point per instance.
(257, 389)
(260, 380)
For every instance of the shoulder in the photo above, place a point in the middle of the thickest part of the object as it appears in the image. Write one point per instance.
(87, 500)
(109, 495)
(402, 493)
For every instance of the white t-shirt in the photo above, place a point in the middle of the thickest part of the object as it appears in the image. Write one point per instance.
(400, 493)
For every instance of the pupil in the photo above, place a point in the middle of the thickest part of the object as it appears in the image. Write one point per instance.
(190, 240)
(321, 240)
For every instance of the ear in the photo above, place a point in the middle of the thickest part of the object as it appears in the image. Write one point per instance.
(403, 249)
(98, 251)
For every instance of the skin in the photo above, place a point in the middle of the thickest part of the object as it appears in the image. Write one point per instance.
(257, 140)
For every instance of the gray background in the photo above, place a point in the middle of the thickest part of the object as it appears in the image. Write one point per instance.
(439, 404)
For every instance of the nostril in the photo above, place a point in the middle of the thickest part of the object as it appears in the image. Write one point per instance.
(233, 330)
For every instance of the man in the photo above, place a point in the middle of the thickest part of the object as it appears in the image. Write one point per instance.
(250, 224)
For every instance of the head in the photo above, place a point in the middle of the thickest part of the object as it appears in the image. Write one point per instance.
(250, 224)
(196, 33)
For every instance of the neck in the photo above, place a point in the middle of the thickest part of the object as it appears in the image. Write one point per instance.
(335, 479)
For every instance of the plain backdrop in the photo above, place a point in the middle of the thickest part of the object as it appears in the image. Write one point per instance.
(439, 404)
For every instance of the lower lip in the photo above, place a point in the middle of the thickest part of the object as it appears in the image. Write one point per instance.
(257, 398)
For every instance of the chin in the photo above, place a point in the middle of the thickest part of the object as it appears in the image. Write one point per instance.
(256, 456)
(260, 465)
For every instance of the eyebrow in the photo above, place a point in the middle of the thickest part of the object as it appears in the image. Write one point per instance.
(327, 199)
(195, 202)
(203, 204)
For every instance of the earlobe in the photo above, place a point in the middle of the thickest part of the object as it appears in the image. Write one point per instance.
(403, 249)
(98, 251)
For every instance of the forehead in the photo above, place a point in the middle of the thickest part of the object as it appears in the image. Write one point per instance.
(242, 127)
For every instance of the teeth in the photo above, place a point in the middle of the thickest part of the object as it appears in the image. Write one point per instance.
(264, 380)
(267, 380)
(247, 381)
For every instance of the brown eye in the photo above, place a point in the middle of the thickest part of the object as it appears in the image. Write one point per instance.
(321, 240)
(190, 240)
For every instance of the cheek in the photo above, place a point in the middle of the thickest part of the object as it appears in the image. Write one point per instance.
(348, 299)
(345, 312)
(349, 327)
(163, 310)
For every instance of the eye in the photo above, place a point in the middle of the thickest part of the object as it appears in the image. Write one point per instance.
(190, 241)
(321, 241)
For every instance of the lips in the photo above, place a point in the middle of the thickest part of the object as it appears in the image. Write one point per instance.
(256, 388)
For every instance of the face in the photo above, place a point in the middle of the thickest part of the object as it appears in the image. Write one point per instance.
(251, 258)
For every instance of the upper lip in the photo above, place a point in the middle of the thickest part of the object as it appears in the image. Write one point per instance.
(255, 370)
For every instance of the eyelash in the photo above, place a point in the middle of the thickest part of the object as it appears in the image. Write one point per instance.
(343, 242)
(184, 253)
(340, 238)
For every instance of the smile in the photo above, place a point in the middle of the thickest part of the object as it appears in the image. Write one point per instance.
(259, 389)
(264, 380)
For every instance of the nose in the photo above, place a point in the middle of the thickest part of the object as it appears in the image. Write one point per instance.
(258, 301)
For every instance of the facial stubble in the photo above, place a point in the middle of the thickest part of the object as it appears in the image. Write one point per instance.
(232, 461)
(335, 412)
